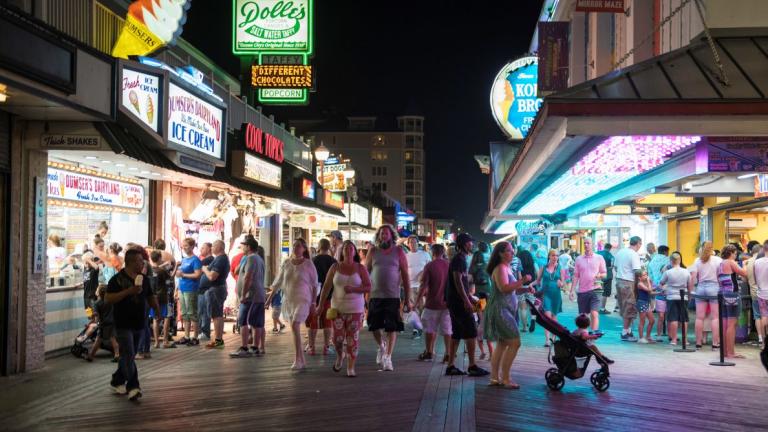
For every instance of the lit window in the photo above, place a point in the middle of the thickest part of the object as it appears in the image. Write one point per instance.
(408, 155)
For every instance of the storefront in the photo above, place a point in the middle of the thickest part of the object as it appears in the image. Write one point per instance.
(358, 226)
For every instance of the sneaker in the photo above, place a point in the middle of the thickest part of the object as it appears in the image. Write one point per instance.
(134, 394)
(629, 337)
(282, 327)
(182, 341)
(604, 312)
(204, 337)
(596, 332)
(242, 352)
(387, 363)
(425, 356)
(642, 340)
(454, 371)
(255, 351)
(119, 389)
(194, 342)
(218, 343)
(379, 355)
(275, 330)
(609, 361)
(476, 371)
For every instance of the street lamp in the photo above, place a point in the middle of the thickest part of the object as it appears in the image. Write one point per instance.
(349, 174)
(321, 155)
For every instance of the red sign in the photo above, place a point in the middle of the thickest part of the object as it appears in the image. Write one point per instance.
(333, 199)
(612, 6)
(258, 141)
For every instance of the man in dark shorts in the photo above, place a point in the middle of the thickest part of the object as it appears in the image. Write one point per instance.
(251, 294)
(215, 277)
(131, 295)
(608, 281)
(461, 308)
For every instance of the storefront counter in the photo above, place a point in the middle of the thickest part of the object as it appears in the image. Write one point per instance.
(64, 316)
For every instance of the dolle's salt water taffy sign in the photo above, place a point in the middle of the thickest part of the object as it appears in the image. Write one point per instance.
(193, 122)
(272, 25)
(514, 97)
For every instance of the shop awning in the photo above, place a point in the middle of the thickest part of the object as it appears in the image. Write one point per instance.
(678, 93)
(124, 142)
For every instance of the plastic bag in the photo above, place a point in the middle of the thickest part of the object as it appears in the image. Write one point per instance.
(414, 320)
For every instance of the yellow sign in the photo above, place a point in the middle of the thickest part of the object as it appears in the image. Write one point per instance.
(618, 209)
(281, 76)
(150, 25)
(665, 199)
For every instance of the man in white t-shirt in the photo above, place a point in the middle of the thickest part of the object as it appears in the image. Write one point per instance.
(417, 260)
(761, 279)
(628, 268)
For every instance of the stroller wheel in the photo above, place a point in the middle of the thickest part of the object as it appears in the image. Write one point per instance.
(600, 380)
(554, 378)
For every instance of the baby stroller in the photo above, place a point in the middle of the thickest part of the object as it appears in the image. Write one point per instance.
(571, 356)
(84, 341)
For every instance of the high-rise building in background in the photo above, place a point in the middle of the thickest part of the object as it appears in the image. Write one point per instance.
(386, 152)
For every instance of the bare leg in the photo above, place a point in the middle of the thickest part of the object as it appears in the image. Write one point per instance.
(218, 328)
(760, 328)
(595, 320)
(166, 328)
(115, 346)
(429, 342)
(496, 356)
(377, 337)
(299, 353)
(245, 333)
(650, 325)
(326, 338)
(470, 344)
(312, 339)
(640, 325)
(508, 358)
(447, 342)
(701, 313)
(391, 339)
(547, 314)
(95, 348)
(452, 351)
(715, 314)
(156, 332)
(672, 331)
(730, 336)
(660, 324)
(187, 328)
(196, 328)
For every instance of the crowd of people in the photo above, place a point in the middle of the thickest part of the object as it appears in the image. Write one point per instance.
(468, 293)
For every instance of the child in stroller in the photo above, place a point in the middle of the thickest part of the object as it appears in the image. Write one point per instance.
(104, 332)
(572, 353)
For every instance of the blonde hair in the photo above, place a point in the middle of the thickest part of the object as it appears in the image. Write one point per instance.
(706, 251)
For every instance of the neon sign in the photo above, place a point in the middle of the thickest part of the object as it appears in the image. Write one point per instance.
(612, 162)
(514, 97)
(272, 25)
(150, 25)
(193, 122)
(258, 141)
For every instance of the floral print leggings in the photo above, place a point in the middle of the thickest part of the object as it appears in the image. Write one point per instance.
(346, 328)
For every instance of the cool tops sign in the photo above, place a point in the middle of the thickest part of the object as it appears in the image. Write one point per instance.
(86, 189)
(514, 97)
(194, 123)
(140, 95)
(272, 25)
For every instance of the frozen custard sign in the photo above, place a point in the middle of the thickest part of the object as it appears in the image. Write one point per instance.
(272, 25)
(194, 123)
(514, 97)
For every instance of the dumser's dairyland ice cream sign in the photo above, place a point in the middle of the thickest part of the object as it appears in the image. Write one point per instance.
(272, 26)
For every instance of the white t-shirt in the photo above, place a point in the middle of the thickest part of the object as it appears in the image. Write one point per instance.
(675, 279)
(565, 261)
(761, 277)
(416, 263)
(627, 263)
(706, 271)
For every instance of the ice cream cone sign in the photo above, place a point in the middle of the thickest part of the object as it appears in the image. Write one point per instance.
(134, 100)
(149, 25)
(150, 109)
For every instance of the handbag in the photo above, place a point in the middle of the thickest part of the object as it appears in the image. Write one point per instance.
(331, 313)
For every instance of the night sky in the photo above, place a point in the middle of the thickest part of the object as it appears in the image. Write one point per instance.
(378, 57)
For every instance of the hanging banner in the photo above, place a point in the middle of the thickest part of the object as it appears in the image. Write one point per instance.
(553, 55)
(251, 168)
(71, 186)
(514, 97)
(611, 6)
(737, 154)
(150, 25)
(272, 26)
(194, 123)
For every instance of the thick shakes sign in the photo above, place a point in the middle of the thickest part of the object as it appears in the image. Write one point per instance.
(194, 123)
(272, 25)
(514, 97)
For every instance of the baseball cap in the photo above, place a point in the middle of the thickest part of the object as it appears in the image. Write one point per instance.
(250, 241)
(337, 234)
(463, 239)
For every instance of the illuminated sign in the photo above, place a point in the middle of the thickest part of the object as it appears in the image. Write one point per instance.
(194, 123)
(140, 96)
(359, 214)
(405, 217)
(333, 199)
(377, 217)
(618, 209)
(529, 228)
(514, 97)
(332, 177)
(610, 163)
(150, 25)
(761, 185)
(82, 188)
(281, 76)
(258, 141)
(665, 199)
(272, 25)
(308, 189)
(251, 168)
(614, 6)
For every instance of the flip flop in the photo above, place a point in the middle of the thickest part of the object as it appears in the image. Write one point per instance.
(510, 386)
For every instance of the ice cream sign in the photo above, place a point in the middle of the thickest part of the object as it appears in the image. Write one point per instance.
(194, 123)
(514, 97)
(150, 25)
(272, 25)
(86, 189)
(141, 95)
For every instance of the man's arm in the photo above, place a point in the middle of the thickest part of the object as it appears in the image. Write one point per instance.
(460, 289)
(404, 276)
(212, 275)
(602, 271)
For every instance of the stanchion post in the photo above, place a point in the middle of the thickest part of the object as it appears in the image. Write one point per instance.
(722, 361)
(681, 308)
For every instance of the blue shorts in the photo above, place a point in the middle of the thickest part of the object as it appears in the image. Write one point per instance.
(251, 314)
(756, 309)
(643, 306)
(216, 297)
(166, 311)
(731, 305)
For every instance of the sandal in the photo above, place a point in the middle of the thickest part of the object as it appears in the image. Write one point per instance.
(494, 383)
(510, 385)
(715, 347)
